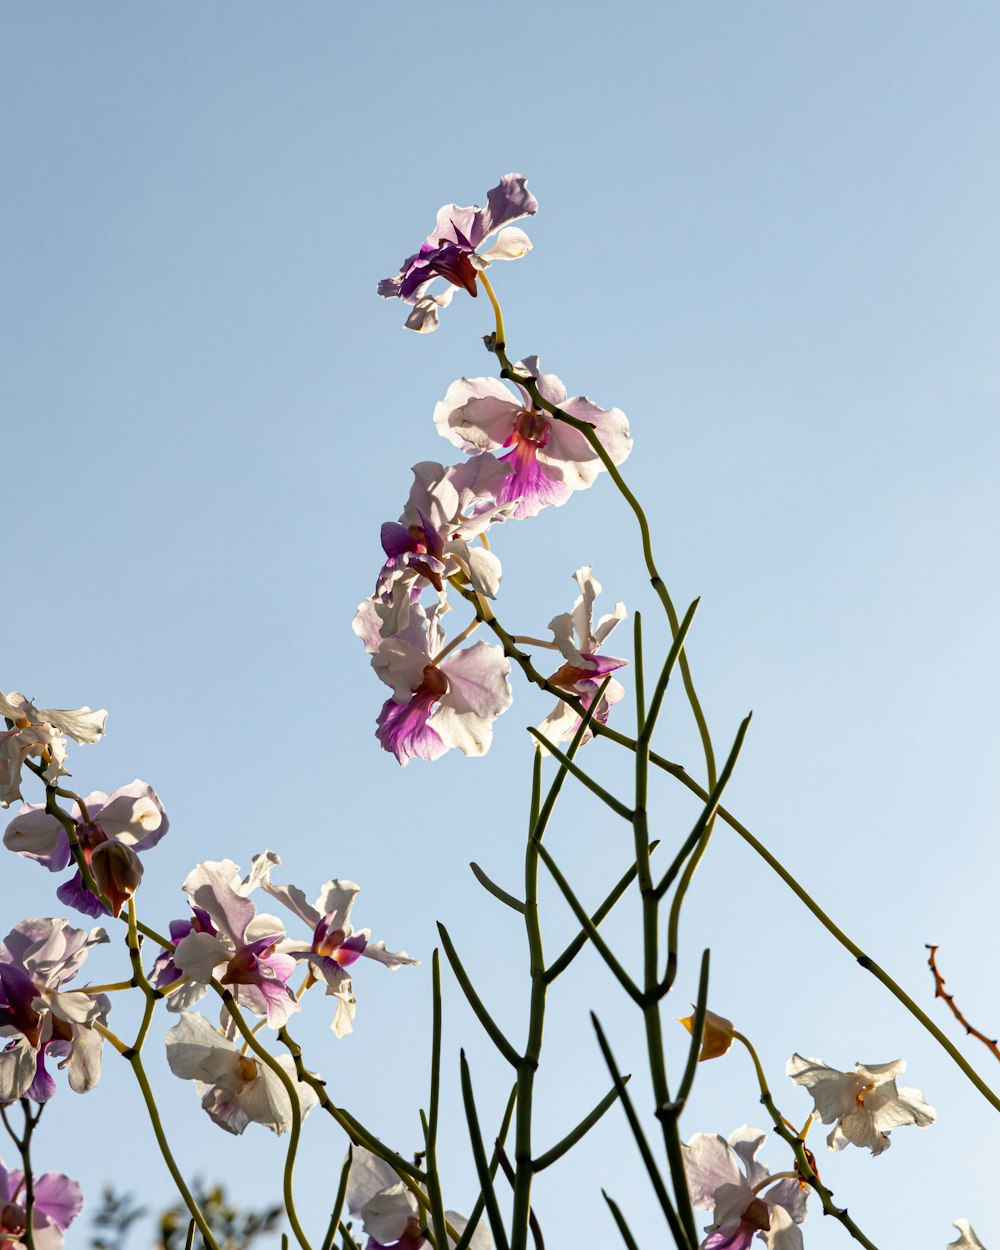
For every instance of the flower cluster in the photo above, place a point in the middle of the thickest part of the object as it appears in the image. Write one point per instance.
(57, 1202)
(526, 451)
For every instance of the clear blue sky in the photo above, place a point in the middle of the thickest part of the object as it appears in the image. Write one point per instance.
(770, 234)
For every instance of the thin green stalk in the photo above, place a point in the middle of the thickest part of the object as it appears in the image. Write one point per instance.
(349, 1242)
(588, 926)
(802, 1163)
(490, 1026)
(338, 1204)
(623, 1228)
(677, 1230)
(24, 1145)
(605, 796)
(135, 1060)
(352, 1127)
(476, 1214)
(265, 1056)
(697, 1033)
(438, 1222)
(559, 965)
(576, 1134)
(703, 830)
(528, 1065)
(479, 1157)
(498, 892)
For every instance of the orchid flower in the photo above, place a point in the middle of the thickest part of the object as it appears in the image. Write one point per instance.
(39, 732)
(131, 818)
(38, 958)
(389, 1212)
(967, 1239)
(548, 458)
(446, 510)
(726, 1178)
(57, 1202)
(335, 944)
(226, 936)
(862, 1105)
(440, 698)
(236, 1089)
(450, 250)
(584, 671)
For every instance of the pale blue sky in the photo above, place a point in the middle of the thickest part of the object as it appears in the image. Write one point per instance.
(768, 232)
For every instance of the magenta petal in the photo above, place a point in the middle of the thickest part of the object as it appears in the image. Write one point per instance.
(396, 539)
(403, 730)
(43, 1086)
(530, 483)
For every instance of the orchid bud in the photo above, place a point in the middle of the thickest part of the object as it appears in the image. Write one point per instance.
(717, 1036)
(117, 871)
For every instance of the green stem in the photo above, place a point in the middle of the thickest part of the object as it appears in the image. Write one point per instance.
(528, 1064)
(619, 1219)
(135, 1060)
(265, 1056)
(352, 1127)
(476, 1214)
(486, 1187)
(338, 1204)
(438, 1221)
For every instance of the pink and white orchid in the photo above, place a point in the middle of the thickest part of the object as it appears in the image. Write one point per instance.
(226, 937)
(440, 698)
(388, 1210)
(549, 459)
(450, 250)
(447, 509)
(583, 672)
(236, 1089)
(57, 1202)
(335, 944)
(132, 817)
(746, 1201)
(862, 1105)
(39, 732)
(38, 959)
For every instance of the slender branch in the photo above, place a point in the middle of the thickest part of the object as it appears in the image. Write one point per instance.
(493, 1030)
(438, 1221)
(939, 992)
(475, 1215)
(479, 1157)
(580, 1131)
(623, 1228)
(497, 891)
(533, 1224)
(605, 796)
(338, 1204)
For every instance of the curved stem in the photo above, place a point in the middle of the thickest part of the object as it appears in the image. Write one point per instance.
(265, 1056)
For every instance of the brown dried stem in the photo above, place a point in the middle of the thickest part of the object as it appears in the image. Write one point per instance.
(939, 992)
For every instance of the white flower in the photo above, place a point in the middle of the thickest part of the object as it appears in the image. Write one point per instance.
(863, 1105)
(235, 1088)
(388, 1211)
(39, 732)
(579, 640)
(743, 1200)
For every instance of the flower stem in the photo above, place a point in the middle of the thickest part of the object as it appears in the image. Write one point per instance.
(501, 336)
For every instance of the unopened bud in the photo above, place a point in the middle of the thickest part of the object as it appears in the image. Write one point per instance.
(117, 871)
(717, 1036)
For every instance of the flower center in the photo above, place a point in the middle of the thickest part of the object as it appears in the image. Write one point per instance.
(532, 427)
(435, 684)
(12, 1216)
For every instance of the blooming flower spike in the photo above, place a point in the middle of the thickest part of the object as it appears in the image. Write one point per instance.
(549, 459)
(862, 1105)
(451, 250)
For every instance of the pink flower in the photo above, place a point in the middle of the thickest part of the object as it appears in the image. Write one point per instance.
(436, 703)
(548, 459)
(58, 1201)
(450, 250)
